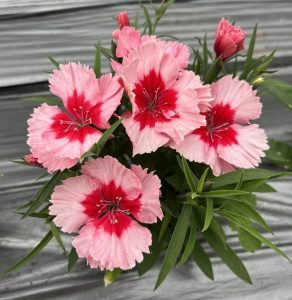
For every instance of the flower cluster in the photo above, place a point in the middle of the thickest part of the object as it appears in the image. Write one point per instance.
(112, 141)
(170, 106)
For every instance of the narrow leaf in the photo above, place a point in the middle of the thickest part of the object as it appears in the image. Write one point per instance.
(175, 244)
(209, 214)
(148, 19)
(202, 260)
(97, 61)
(57, 236)
(72, 259)
(202, 179)
(222, 193)
(228, 256)
(188, 175)
(49, 100)
(53, 61)
(191, 242)
(41, 245)
(164, 225)
(248, 60)
(44, 193)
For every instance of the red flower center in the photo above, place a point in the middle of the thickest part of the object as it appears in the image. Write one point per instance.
(155, 103)
(109, 200)
(218, 130)
(76, 125)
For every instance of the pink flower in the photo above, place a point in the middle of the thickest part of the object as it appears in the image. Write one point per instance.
(129, 40)
(59, 138)
(229, 140)
(229, 39)
(165, 100)
(123, 19)
(108, 200)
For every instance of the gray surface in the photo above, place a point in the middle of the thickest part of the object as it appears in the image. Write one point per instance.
(31, 30)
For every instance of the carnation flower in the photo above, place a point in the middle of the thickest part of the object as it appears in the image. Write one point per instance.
(108, 200)
(165, 100)
(59, 138)
(229, 39)
(129, 40)
(228, 140)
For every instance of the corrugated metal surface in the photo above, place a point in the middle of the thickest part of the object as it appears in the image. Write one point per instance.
(31, 30)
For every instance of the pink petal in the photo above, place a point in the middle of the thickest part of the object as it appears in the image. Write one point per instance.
(38, 125)
(195, 149)
(150, 208)
(128, 39)
(74, 77)
(247, 153)
(108, 169)
(112, 246)
(240, 96)
(180, 51)
(67, 201)
(144, 140)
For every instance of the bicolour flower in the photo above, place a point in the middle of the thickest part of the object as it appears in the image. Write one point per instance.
(165, 100)
(107, 202)
(229, 39)
(59, 138)
(129, 40)
(228, 141)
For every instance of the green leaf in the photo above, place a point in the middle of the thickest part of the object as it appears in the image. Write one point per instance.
(222, 193)
(148, 19)
(209, 214)
(229, 216)
(190, 178)
(175, 244)
(191, 242)
(97, 61)
(49, 100)
(111, 276)
(264, 188)
(248, 60)
(72, 259)
(44, 193)
(251, 213)
(280, 153)
(107, 134)
(165, 222)
(202, 179)
(280, 90)
(213, 71)
(205, 56)
(53, 61)
(227, 255)
(41, 245)
(248, 241)
(202, 260)
(249, 174)
(39, 215)
(161, 10)
(102, 141)
(150, 258)
(56, 233)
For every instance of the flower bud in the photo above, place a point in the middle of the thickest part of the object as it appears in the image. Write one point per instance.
(31, 160)
(229, 39)
(123, 19)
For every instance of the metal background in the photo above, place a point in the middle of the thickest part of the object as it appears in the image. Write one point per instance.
(32, 29)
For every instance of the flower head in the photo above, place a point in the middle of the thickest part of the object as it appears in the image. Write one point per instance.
(108, 200)
(165, 100)
(229, 39)
(129, 40)
(228, 140)
(59, 138)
